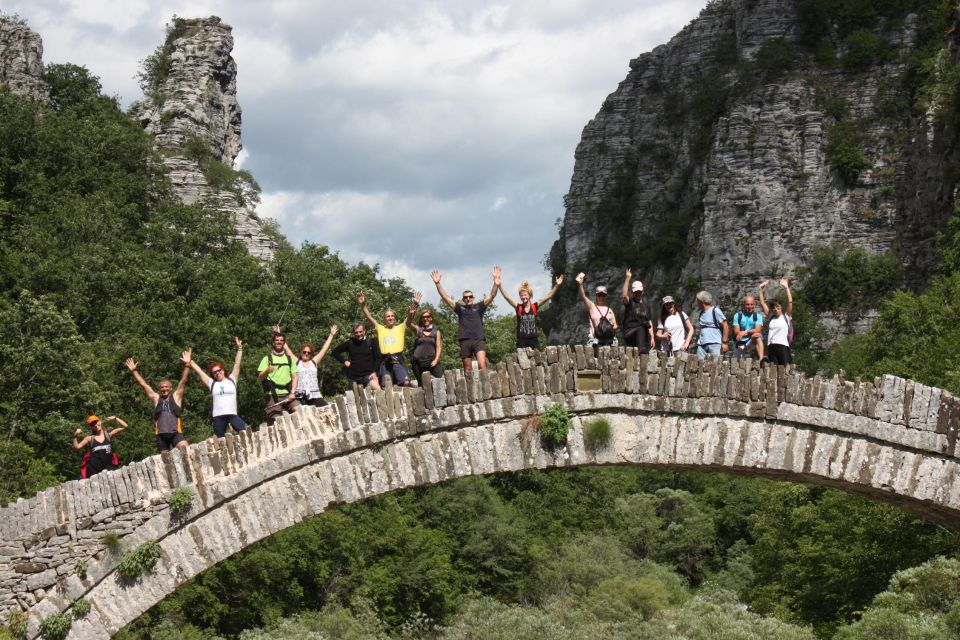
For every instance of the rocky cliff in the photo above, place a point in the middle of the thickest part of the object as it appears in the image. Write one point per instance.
(192, 111)
(21, 58)
(764, 129)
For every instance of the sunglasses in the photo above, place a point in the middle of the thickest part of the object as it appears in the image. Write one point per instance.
(216, 371)
(306, 352)
(468, 297)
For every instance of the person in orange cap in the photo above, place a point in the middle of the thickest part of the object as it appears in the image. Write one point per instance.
(100, 457)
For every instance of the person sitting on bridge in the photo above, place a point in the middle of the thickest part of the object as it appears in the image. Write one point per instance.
(360, 357)
(101, 456)
(714, 329)
(528, 328)
(473, 341)
(308, 378)
(603, 322)
(279, 379)
(391, 340)
(637, 324)
(166, 407)
(223, 389)
(748, 330)
(780, 326)
(427, 347)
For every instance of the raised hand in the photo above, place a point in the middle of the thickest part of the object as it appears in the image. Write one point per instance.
(496, 274)
(131, 364)
(187, 356)
(111, 418)
(417, 297)
(435, 275)
(238, 341)
(581, 277)
(276, 329)
(784, 283)
(763, 285)
(334, 329)
(629, 273)
(362, 299)
(559, 280)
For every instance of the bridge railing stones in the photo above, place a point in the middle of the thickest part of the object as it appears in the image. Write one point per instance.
(44, 537)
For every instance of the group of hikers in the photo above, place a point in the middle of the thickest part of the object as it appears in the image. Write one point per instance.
(290, 379)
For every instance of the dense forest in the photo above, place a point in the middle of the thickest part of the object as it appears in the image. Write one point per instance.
(100, 263)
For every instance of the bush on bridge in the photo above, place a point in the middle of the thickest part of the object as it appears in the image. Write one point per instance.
(554, 425)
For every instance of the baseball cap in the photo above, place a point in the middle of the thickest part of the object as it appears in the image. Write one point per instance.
(667, 299)
(601, 288)
(93, 419)
(637, 286)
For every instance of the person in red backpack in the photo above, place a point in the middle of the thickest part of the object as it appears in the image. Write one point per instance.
(101, 456)
(528, 329)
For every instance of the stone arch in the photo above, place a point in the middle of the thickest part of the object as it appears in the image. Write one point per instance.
(890, 439)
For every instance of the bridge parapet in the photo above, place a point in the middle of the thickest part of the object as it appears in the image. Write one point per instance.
(45, 537)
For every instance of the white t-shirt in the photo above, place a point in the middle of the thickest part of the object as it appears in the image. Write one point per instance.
(777, 330)
(224, 396)
(678, 331)
(307, 378)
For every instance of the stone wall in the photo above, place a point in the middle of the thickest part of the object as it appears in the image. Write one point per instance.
(889, 438)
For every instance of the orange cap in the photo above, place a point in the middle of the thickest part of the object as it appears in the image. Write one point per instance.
(93, 419)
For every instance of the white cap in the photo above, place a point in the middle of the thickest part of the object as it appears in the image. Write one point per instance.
(637, 286)
(601, 288)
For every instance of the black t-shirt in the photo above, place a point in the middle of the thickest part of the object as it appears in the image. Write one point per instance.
(471, 320)
(636, 321)
(364, 355)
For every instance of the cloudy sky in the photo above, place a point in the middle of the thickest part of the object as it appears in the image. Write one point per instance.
(410, 133)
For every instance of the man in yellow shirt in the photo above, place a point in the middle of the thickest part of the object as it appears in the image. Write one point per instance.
(391, 338)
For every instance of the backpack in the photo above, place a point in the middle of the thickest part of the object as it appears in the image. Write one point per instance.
(736, 317)
(603, 330)
(269, 386)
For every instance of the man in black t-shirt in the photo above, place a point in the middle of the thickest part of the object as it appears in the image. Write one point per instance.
(637, 324)
(360, 358)
(472, 338)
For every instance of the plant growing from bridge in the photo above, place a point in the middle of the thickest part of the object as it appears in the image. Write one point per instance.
(179, 499)
(17, 625)
(139, 561)
(597, 433)
(554, 425)
(56, 627)
(111, 541)
(82, 569)
(80, 608)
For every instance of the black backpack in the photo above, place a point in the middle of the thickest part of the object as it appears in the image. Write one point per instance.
(603, 330)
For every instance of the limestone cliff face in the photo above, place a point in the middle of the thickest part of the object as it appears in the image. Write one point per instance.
(21, 59)
(194, 115)
(713, 164)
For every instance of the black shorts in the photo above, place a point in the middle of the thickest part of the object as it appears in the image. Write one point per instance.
(167, 441)
(470, 347)
(778, 354)
(362, 379)
(528, 342)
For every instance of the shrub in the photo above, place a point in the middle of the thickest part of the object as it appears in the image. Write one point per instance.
(554, 425)
(56, 627)
(111, 540)
(82, 569)
(864, 48)
(843, 148)
(774, 58)
(17, 624)
(80, 608)
(597, 433)
(179, 499)
(139, 561)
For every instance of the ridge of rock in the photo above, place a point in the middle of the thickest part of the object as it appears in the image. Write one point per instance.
(21, 59)
(699, 180)
(193, 114)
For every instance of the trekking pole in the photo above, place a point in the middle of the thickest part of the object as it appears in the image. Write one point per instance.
(284, 311)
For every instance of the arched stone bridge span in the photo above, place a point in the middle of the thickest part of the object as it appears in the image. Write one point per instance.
(889, 438)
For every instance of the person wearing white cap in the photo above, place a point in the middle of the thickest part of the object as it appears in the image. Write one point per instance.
(675, 331)
(603, 322)
(637, 326)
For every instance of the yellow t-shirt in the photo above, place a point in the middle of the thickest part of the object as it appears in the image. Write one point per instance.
(391, 340)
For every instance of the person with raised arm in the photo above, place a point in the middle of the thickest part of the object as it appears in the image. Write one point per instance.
(427, 346)
(780, 325)
(279, 379)
(603, 322)
(166, 407)
(223, 390)
(637, 323)
(473, 341)
(360, 357)
(308, 378)
(528, 329)
(391, 338)
(100, 457)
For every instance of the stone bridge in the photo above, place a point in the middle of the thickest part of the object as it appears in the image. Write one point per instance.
(889, 438)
